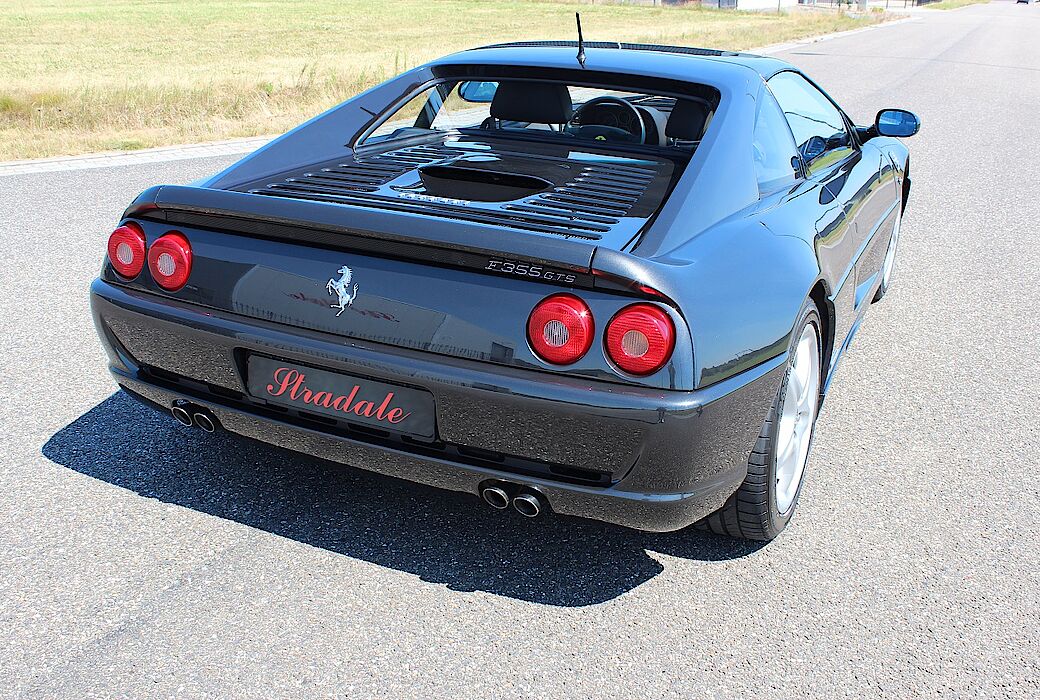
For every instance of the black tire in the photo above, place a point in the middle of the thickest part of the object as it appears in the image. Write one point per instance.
(880, 293)
(751, 513)
(883, 286)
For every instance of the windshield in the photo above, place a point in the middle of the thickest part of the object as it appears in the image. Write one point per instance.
(551, 110)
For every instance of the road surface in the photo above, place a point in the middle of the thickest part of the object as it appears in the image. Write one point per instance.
(142, 559)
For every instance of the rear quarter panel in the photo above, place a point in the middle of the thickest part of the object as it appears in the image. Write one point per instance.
(740, 289)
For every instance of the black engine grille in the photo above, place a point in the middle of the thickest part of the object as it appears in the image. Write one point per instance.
(592, 202)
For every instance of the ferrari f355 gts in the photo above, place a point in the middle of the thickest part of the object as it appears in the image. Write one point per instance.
(613, 286)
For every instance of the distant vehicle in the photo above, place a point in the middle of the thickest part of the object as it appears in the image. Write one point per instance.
(615, 285)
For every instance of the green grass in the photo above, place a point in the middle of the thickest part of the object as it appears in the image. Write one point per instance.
(80, 76)
(953, 4)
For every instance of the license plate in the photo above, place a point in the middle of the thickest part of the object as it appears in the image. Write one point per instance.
(351, 399)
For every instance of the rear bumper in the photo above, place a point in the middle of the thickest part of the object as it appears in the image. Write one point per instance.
(638, 457)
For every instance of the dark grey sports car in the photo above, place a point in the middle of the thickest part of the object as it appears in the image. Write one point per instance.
(614, 287)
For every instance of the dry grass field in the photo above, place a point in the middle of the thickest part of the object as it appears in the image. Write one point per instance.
(82, 76)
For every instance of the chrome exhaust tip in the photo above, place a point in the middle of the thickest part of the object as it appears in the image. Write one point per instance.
(182, 416)
(204, 421)
(527, 505)
(495, 497)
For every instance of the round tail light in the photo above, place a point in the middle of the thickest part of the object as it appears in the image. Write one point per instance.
(126, 250)
(169, 260)
(640, 339)
(560, 329)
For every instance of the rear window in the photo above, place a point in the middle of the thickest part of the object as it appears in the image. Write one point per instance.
(548, 109)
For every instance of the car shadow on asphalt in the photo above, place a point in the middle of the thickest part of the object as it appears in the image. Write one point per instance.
(440, 536)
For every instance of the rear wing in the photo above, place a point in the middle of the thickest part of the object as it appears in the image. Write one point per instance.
(443, 242)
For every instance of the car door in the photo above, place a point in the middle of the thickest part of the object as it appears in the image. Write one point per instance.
(840, 192)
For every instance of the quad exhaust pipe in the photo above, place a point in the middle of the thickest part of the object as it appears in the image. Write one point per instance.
(203, 419)
(180, 413)
(526, 503)
(495, 497)
(188, 414)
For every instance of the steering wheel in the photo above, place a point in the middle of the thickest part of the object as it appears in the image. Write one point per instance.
(602, 132)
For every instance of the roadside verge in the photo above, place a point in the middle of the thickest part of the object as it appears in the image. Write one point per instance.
(247, 145)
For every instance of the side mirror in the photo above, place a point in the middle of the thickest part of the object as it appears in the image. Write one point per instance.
(480, 91)
(896, 122)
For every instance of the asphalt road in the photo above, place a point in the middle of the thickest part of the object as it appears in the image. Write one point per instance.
(141, 559)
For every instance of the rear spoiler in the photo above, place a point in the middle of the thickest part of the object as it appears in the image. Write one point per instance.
(541, 257)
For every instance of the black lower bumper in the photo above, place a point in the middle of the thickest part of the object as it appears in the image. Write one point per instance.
(643, 458)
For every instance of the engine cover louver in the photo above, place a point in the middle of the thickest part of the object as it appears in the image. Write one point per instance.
(592, 197)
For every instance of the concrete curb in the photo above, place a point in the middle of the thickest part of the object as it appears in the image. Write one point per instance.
(248, 145)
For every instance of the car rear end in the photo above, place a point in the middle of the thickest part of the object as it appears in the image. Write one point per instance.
(462, 311)
(549, 380)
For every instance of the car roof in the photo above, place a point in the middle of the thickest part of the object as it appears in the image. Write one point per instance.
(684, 63)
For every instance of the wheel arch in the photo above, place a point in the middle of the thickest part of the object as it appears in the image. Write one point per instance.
(906, 182)
(825, 306)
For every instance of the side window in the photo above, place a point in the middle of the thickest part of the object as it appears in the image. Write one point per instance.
(774, 151)
(441, 107)
(459, 112)
(418, 112)
(819, 130)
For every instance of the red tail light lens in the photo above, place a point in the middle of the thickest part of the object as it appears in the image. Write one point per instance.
(640, 339)
(169, 260)
(126, 250)
(560, 329)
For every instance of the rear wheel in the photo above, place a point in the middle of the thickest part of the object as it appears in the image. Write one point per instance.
(765, 502)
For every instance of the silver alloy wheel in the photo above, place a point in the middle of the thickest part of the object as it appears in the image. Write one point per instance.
(797, 415)
(890, 256)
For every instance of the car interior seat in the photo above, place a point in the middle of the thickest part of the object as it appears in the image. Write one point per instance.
(530, 103)
(687, 122)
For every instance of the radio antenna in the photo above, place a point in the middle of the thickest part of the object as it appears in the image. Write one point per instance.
(581, 42)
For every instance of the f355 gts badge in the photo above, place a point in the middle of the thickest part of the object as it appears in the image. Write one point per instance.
(341, 288)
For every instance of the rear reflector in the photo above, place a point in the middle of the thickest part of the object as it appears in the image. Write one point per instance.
(640, 339)
(169, 260)
(560, 329)
(126, 250)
